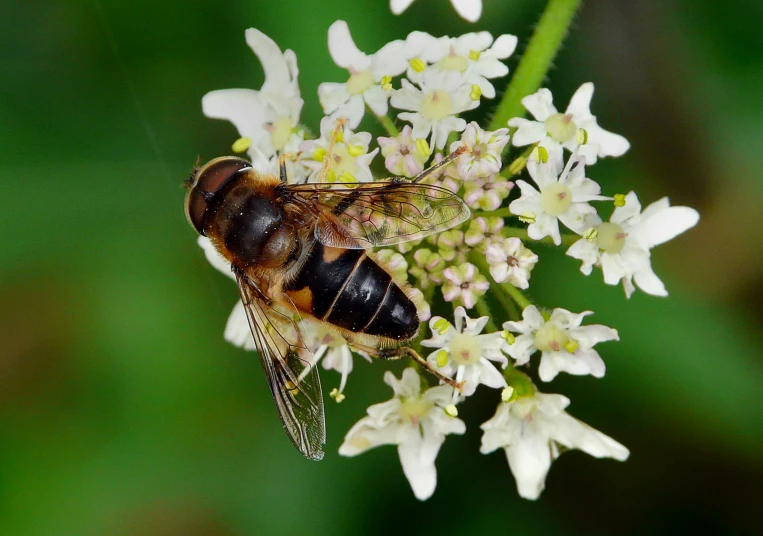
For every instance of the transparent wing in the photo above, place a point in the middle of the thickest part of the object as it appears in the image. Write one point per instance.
(294, 383)
(364, 215)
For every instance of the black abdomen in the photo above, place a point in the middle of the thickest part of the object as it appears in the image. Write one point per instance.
(351, 291)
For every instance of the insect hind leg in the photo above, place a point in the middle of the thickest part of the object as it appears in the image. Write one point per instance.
(406, 351)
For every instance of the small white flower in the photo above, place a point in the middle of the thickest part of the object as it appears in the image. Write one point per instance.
(532, 428)
(464, 283)
(467, 9)
(416, 422)
(394, 262)
(565, 130)
(484, 155)
(270, 116)
(331, 349)
(464, 354)
(487, 193)
(403, 158)
(350, 156)
(434, 105)
(566, 346)
(364, 87)
(474, 55)
(621, 247)
(564, 198)
(511, 261)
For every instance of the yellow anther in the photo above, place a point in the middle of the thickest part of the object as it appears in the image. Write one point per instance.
(474, 55)
(590, 234)
(619, 200)
(582, 136)
(441, 326)
(356, 150)
(571, 346)
(423, 147)
(507, 393)
(508, 336)
(339, 136)
(331, 176)
(418, 65)
(516, 167)
(319, 154)
(527, 217)
(346, 178)
(386, 83)
(241, 145)
(451, 411)
(475, 93)
(337, 395)
(540, 154)
(441, 358)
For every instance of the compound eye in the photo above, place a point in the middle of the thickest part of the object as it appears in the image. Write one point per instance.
(208, 180)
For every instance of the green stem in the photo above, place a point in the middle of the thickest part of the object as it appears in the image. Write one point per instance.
(387, 123)
(516, 295)
(484, 310)
(501, 213)
(567, 238)
(536, 61)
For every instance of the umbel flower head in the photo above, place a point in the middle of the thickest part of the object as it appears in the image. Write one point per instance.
(621, 247)
(532, 428)
(565, 345)
(419, 87)
(413, 420)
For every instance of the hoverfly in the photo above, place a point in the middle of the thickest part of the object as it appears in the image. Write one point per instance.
(298, 254)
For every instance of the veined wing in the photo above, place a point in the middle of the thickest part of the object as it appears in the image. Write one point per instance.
(364, 215)
(294, 383)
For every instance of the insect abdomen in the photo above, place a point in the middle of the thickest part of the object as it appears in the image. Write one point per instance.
(348, 289)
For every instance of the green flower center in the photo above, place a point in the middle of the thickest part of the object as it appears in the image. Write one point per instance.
(280, 132)
(551, 338)
(464, 349)
(610, 237)
(451, 62)
(555, 199)
(359, 82)
(561, 127)
(412, 410)
(436, 105)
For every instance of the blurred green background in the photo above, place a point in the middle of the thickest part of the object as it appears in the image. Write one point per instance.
(123, 411)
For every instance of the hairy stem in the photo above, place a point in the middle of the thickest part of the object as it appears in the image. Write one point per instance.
(536, 61)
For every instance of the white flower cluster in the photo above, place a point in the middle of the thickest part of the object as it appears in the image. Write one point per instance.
(430, 82)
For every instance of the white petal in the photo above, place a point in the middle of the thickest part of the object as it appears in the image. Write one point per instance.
(540, 104)
(610, 144)
(214, 258)
(529, 461)
(573, 433)
(648, 281)
(421, 474)
(277, 75)
(376, 98)
(245, 108)
(332, 95)
(343, 50)
(664, 225)
(527, 131)
(580, 103)
(237, 331)
(504, 46)
(468, 9)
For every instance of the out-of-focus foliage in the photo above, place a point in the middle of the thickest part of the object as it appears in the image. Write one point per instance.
(122, 410)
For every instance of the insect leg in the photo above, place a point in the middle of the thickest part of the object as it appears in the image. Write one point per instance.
(444, 162)
(406, 351)
(334, 137)
(282, 158)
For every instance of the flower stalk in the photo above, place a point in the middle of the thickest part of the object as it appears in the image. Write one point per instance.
(536, 60)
